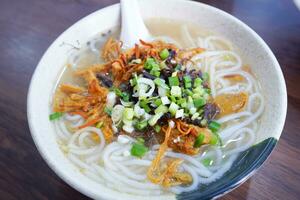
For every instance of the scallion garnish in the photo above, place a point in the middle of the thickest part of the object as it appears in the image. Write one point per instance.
(158, 102)
(157, 128)
(181, 101)
(138, 149)
(125, 96)
(55, 115)
(173, 99)
(176, 91)
(173, 81)
(207, 162)
(199, 102)
(155, 72)
(164, 54)
(153, 120)
(213, 139)
(214, 126)
(188, 92)
(178, 67)
(161, 83)
(187, 81)
(151, 64)
(199, 140)
(108, 110)
(117, 91)
(133, 81)
(173, 108)
(161, 109)
(141, 125)
(144, 104)
(140, 140)
(128, 113)
(197, 82)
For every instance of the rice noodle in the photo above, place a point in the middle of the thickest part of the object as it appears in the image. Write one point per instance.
(187, 37)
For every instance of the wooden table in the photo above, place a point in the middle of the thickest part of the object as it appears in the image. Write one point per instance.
(28, 27)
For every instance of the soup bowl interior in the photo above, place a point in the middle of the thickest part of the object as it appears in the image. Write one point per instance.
(259, 57)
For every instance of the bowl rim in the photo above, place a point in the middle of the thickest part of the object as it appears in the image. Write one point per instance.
(112, 8)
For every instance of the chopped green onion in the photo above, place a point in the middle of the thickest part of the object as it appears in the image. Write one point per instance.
(200, 111)
(173, 81)
(128, 113)
(138, 149)
(150, 64)
(187, 81)
(140, 140)
(199, 102)
(181, 101)
(163, 65)
(219, 139)
(152, 121)
(157, 128)
(173, 108)
(199, 140)
(207, 162)
(197, 82)
(108, 110)
(161, 109)
(196, 96)
(179, 113)
(164, 54)
(144, 105)
(161, 83)
(99, 125)
(205, 76)
(203, 122)
(184, 104)
(176, 91)
(158, 102)
(213, 139)
(173, 99)
(118, 92)
(188, 92)
(133, 81)
(195, 115)
(55, 115)
(165, 100)
(155, 72)
(214, 126)
(190, 100)
(193, 110)
(125, 96)
(198, 91)
(141, 125)
(178, 67)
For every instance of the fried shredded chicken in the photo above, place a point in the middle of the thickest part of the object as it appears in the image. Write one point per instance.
(167, 175)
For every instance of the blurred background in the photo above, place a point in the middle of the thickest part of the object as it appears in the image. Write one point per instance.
(28, 27)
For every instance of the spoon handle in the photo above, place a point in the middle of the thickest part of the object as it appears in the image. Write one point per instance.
(133, 27)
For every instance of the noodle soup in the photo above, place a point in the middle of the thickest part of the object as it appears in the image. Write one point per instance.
(162, 117)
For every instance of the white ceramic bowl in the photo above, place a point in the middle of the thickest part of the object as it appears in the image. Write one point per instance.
(259, 56)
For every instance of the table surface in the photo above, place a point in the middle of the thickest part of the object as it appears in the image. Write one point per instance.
(27, 28)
